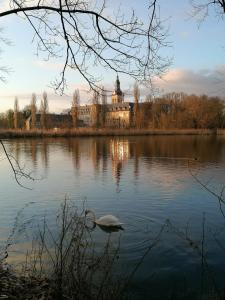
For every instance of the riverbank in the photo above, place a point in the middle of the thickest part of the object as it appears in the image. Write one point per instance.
(83, 132)
(15, 286)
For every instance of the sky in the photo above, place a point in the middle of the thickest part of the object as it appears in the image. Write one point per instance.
(197, 53)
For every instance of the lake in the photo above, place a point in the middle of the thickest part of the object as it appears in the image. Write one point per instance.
(148, 183)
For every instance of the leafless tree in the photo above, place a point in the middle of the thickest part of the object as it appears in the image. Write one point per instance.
(3, 42)
(33, 110)
(95, 109)
(16, 111)
(44, 110)
(136, 105)
(76, 98)
(90, 34)
(75, 104)
(18, 172)
(103, 106)
(95, 97)
(149, 98)
(202, 8)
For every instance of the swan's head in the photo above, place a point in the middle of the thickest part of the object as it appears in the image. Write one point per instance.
(89, 211)
(92, 219)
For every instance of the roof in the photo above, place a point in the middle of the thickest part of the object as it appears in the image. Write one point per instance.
(54, 117)
(120, 106)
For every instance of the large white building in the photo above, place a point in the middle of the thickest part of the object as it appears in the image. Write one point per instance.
(118, 114)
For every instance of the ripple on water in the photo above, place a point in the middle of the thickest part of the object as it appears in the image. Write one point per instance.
(142, 180)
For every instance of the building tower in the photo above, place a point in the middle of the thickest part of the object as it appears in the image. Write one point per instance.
(117, 96)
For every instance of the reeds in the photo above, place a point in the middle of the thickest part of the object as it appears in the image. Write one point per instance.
(66, 263)
(67, 257)
(79, 132)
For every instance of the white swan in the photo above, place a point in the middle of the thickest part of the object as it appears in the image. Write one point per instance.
(108, 221)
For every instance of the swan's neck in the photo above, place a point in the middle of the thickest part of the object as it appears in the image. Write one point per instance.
(93, 214)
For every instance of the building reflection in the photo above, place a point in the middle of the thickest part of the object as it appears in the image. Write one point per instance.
(141, 152)
(119, 150)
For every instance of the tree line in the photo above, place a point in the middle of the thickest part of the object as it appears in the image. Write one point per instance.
(16, 118)
(173, 110)
(178, 110)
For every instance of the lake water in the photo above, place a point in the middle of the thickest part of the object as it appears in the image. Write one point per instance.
(147, 183)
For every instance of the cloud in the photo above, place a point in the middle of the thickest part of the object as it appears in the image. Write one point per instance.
(4, 5)
(48, 65)
(204, 81)
(184, 34)
(56, 102)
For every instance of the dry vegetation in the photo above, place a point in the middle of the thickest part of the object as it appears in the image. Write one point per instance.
(64, 263)
(79, 132)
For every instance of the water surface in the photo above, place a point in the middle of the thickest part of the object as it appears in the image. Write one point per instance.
(147, 183)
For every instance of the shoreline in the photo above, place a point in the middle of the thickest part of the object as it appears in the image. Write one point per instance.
(90, 132)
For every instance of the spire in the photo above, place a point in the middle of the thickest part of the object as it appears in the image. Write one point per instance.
(117, 86)
(117, 96)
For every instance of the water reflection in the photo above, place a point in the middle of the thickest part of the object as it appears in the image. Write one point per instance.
(154, 183)
(120, 153)
(117, 151)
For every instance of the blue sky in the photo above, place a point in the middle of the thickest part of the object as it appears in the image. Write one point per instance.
(198, 58)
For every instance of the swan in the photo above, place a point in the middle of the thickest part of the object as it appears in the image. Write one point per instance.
(108, 221)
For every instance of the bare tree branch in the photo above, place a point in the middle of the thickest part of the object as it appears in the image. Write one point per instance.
(16, 168)
(86, 37)
(202, 8)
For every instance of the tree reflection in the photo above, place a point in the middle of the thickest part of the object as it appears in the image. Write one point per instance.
(164, 150)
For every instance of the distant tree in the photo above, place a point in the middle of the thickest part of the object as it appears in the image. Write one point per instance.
(177, 110)
(16, 112)
(10, 118)
(148, 98)
(137, 120)
(3, 121)
(95, 113)
(26, 112)
(95, 97)
(104, 105)
(74, 109)
(44, 111)
(33, 108)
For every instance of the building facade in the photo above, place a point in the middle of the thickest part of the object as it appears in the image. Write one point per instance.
(118, 114)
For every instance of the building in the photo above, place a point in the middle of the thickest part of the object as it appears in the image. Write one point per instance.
(51, 121)
(117, 114)
(118, 95)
